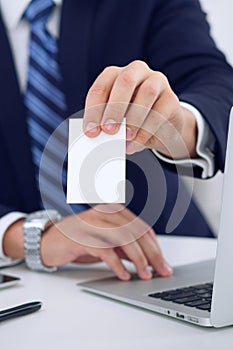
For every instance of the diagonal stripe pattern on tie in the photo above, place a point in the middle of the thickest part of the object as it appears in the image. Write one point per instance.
(46, 110)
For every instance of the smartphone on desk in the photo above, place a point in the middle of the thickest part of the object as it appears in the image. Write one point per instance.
(8, 281)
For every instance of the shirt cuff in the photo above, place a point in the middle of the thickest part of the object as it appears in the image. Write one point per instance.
(204, 147)
(5, 222)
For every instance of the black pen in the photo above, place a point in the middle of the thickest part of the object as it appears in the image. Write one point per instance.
(20, 310)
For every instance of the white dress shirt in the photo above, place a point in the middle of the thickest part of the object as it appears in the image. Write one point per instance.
(18, 31)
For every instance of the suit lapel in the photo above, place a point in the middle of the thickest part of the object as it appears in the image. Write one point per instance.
(74, 46)
(13, 126)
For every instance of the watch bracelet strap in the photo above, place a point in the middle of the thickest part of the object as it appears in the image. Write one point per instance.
(32, 255)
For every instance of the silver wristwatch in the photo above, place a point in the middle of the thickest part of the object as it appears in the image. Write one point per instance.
(34, 224)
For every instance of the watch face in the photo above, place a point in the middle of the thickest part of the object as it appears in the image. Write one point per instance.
(44, 214)
(41, 219)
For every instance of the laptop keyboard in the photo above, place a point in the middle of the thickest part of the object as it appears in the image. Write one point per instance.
(198, 296)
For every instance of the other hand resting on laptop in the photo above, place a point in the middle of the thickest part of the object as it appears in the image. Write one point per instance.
(134, 241)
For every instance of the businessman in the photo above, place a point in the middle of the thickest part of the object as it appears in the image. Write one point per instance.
(56, 58)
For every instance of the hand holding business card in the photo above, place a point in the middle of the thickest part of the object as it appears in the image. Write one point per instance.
(96, 166)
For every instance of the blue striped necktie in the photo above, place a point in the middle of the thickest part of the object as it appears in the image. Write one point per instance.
(46, 110)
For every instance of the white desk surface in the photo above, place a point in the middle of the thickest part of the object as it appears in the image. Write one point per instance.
(73, 319)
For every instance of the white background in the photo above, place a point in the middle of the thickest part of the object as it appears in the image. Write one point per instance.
(220, 16)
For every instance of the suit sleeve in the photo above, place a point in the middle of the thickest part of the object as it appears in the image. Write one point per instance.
(180, 46)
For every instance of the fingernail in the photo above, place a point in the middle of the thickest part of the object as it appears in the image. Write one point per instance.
(125, 275)
(110, 125)
(166, 269)
(129, 133)
(146, 273)
(91, 127)
(130, 147)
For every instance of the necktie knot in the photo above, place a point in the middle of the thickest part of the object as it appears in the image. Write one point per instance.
(38, 11)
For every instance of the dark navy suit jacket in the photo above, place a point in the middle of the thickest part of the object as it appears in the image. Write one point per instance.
(172, 37)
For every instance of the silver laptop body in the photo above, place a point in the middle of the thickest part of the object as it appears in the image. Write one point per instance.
(219, 272)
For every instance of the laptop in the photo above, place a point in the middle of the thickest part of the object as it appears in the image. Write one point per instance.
(199, 293)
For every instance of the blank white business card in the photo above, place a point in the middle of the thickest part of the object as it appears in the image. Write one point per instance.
(96, 166)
